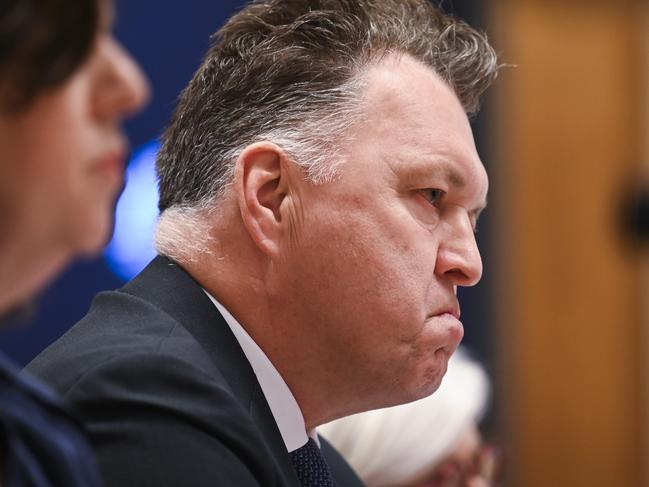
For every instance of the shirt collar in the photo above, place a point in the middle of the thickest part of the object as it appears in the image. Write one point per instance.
(280, 399)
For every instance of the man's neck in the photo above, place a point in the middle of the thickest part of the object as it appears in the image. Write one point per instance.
(244, 294)
(243, 280)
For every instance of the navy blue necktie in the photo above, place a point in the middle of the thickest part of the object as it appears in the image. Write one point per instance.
(310, 465)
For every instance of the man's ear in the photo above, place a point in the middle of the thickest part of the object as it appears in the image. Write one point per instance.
(261, 187)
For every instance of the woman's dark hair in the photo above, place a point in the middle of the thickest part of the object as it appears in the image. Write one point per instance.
(42, 42)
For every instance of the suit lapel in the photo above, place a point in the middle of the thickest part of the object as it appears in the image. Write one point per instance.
(165, 284)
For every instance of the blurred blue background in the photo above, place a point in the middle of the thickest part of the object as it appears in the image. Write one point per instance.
(169, 39)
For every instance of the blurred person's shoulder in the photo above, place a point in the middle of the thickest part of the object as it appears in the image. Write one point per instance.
(35, 419)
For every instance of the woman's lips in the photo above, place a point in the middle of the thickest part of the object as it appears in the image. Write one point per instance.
(112, 164)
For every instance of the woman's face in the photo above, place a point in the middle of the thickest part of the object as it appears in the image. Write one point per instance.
(62, 159)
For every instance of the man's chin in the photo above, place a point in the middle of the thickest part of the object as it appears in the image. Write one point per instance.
(432, 379)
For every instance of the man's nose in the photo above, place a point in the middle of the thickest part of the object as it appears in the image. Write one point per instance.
(458, 257)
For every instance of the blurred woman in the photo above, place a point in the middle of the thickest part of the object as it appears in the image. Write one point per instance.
(65, 86)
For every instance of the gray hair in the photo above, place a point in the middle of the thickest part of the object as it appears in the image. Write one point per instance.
(290, 72)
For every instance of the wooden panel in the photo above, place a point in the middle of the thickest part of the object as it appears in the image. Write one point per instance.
(568, 137)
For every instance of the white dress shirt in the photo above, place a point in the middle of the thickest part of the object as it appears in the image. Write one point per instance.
(283, 405)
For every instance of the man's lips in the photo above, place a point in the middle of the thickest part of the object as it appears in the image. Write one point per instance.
(449, 320)
(453, 310)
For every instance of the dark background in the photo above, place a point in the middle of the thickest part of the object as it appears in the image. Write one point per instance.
(169, 39)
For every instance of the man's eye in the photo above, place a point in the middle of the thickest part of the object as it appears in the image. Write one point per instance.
(432, 195)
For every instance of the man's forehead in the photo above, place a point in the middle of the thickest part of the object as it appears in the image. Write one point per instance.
(402, 97)
(395, 76)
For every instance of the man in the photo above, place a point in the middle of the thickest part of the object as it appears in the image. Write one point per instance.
(319, 189)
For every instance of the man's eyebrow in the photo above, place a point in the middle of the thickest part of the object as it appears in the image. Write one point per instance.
(422, 167)
(454, 177)
(432, 167)
(458, 182)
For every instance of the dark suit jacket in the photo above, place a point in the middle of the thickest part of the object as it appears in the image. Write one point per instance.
(41, 444)
(166, 392)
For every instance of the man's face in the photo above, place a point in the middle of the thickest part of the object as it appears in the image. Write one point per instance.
(383, 248)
